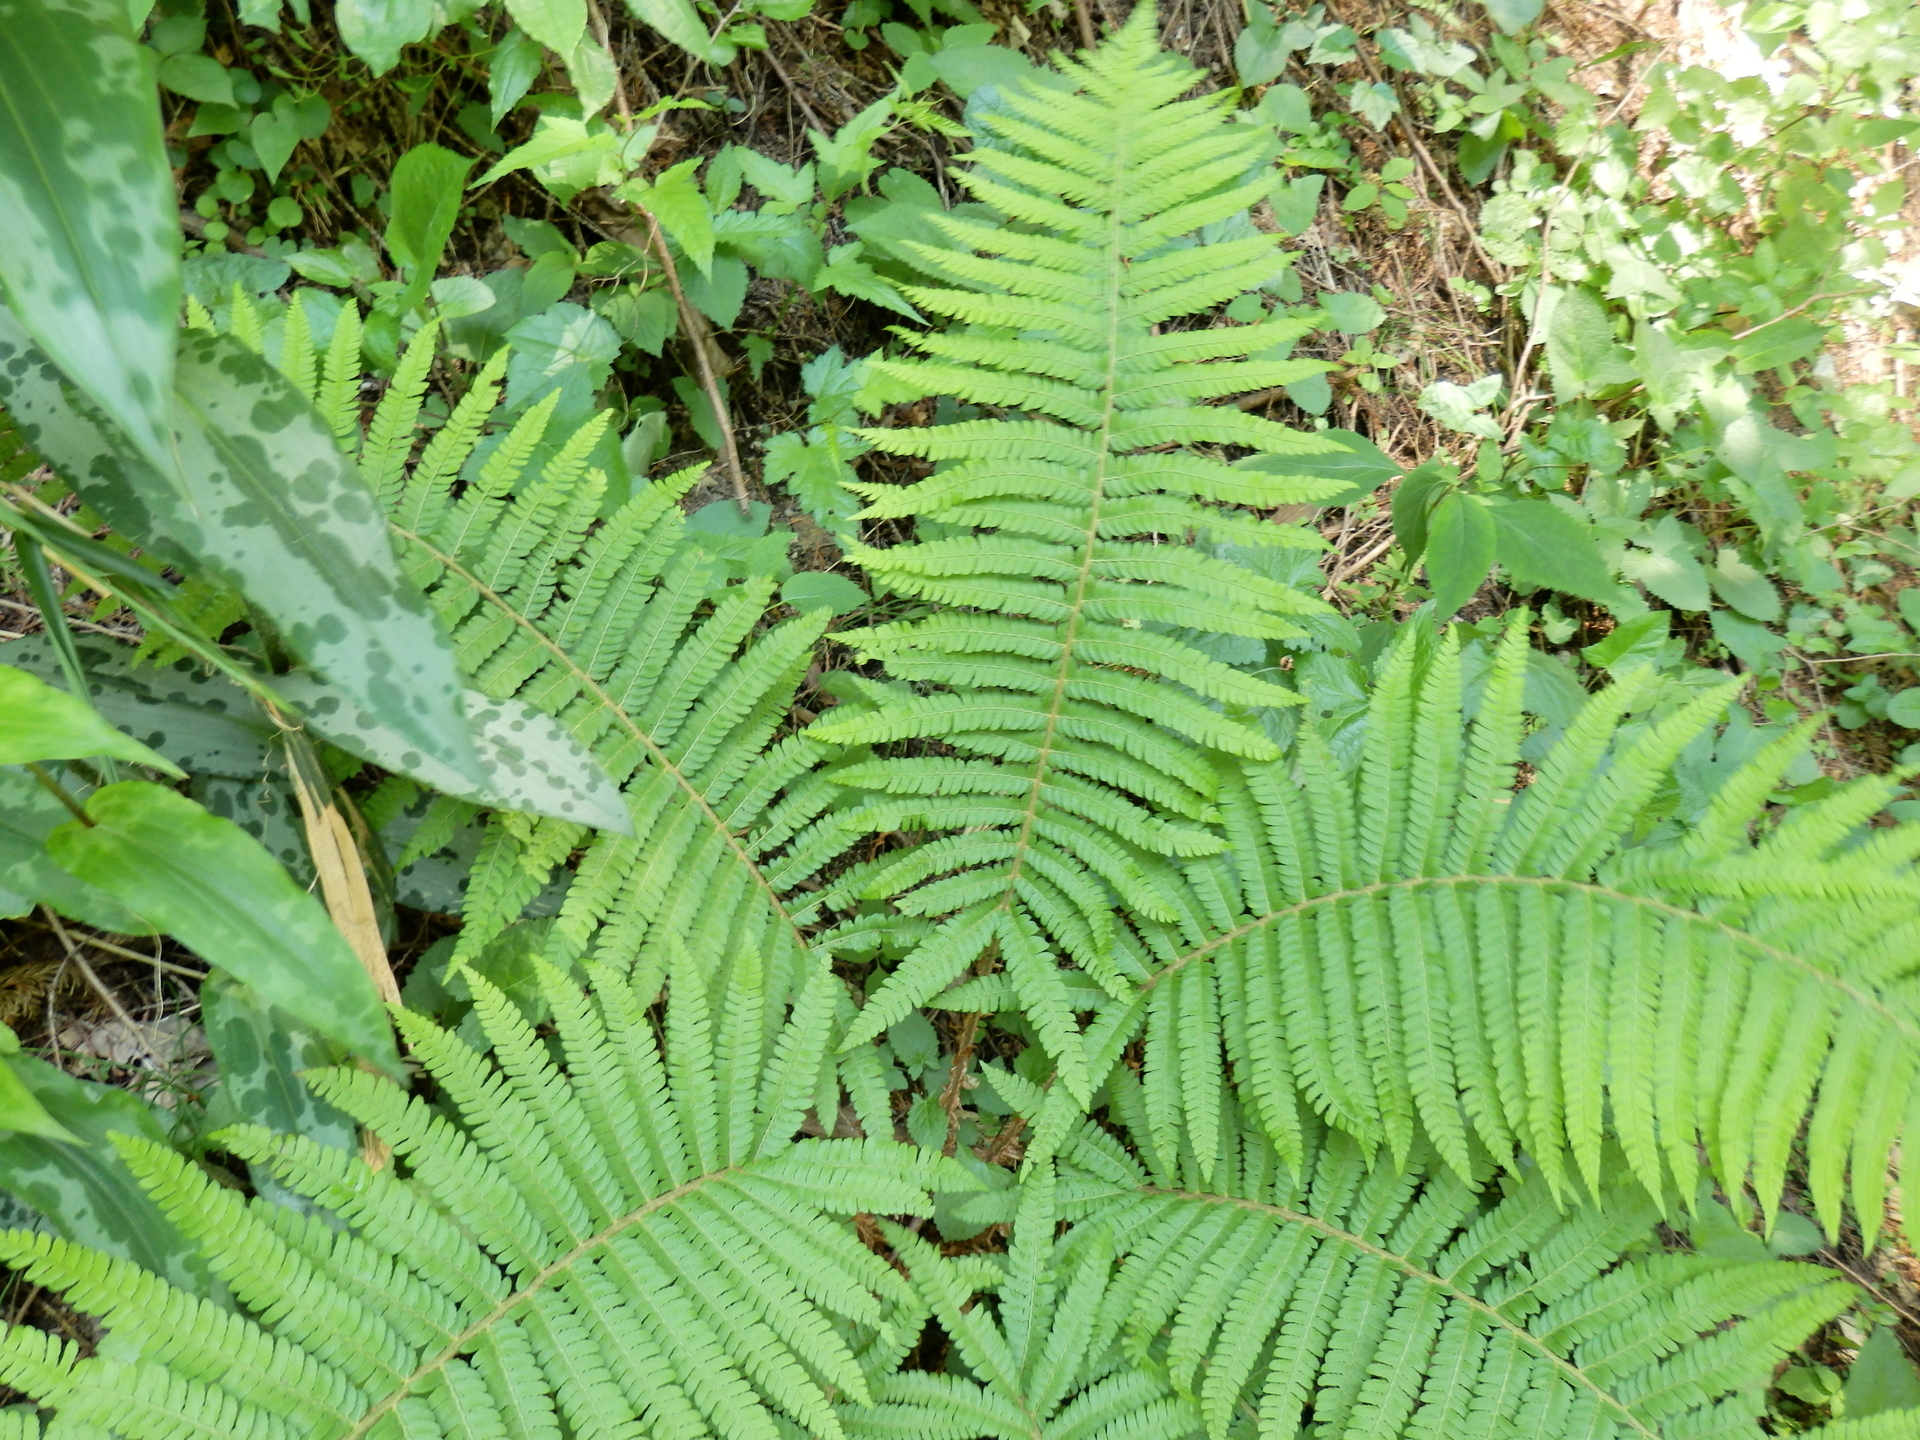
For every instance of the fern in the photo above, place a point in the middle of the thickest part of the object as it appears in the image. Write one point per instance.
(1079, 737)
(608, 625)
(616, 1234)
(1042, 1363)
(1420, 949)
(1388, 1300)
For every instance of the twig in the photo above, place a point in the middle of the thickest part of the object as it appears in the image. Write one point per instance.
(1084, 14)
(956, 1086)
(121, 952)
(134, 1032)
(793, 92)
(692, 324)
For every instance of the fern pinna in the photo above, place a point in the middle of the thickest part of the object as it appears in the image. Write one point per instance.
(1077, 737)
(615, 1235)
(1422, 954)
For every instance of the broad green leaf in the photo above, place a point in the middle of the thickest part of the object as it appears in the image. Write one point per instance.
(1512, 15)
(594, 73)
(1744, 587)
(679, 22)
(1581, 351)
(29, 813)
(426, 189)
(529, 760)
(38, 722)
(1667, 565)
(677, 202)
(21, 1112)
(198, 77)
(1541, 544)
(266, 504)
(1413, 501)
(212, 886)
(511, 70)
(556, 24)
(1904, 708)
(1460, 407)
(1882, 1378)
(967, 68)
(201, 722)
(1780, 343)
(91, 259)
(260, 1051)
(1460, 549)
(820, 590)
(20, 1109)
(376, 29)
(273, 135)
(84, 1190)
(1351, 314)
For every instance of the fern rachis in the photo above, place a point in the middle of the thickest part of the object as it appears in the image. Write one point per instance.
(1083, 734)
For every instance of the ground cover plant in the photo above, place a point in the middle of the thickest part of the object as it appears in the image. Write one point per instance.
(927, 723)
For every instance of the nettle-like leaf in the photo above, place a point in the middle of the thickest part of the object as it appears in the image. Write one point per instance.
(1079, 736)
(1385, 1300)
(1420, 947)
(618, 1234)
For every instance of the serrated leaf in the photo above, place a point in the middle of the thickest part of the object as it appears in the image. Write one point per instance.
(91, 263)
(556, 24)
(1581, 351)
(1460, 550)
(1540, 544)
(212, 886)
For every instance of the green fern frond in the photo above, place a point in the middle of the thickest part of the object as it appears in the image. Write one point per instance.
(1422, 947)
(1041, 1362)
(609, 622)
(1388, 1300)
(627, 1239)
(1078, 729)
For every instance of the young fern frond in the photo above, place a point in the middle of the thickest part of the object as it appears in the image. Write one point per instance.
(1042, 1360)
(608, 625)
(1081, 737)
(1392, 1300)
(626, 1239)
(1420, 948)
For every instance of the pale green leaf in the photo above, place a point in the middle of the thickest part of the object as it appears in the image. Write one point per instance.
(91, 263)
(38, 722)
(209, 884)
